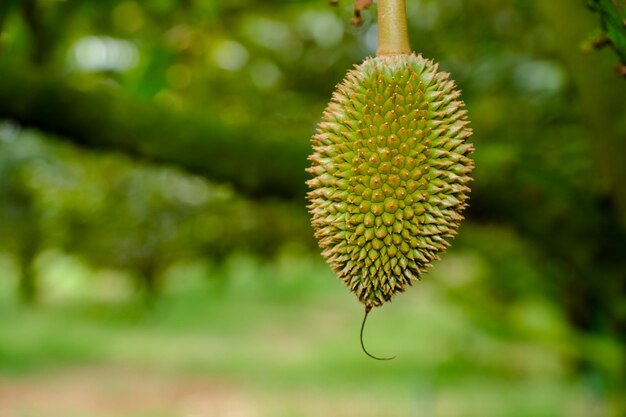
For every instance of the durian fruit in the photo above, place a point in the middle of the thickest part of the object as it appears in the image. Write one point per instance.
(390, 172)
(390, 169)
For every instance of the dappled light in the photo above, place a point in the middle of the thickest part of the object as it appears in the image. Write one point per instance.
(156, 252)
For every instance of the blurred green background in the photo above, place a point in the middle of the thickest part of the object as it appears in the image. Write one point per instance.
(155, 252)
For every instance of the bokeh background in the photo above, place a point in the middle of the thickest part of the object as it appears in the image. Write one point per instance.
(155, 252)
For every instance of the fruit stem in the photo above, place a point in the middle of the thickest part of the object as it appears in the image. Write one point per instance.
(367, 312)
(393, 36)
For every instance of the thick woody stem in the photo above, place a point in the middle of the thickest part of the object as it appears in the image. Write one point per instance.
(393, 36)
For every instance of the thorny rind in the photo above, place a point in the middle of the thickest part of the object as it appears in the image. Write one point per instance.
(390, 173)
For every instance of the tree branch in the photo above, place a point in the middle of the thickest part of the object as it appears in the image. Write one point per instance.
(255, 163)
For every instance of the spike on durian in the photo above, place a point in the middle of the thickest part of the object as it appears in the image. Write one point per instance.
(390, 170)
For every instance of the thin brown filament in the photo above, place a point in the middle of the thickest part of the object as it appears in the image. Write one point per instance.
(367, 312)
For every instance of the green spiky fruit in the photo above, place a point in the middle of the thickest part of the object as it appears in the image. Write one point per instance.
(390, 173)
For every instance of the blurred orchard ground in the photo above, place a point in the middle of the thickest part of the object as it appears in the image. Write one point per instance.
(155, 252)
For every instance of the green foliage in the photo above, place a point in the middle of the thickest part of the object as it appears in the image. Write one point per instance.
(147, 92)
(283, 328)
(613, 16)
(141, 218)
